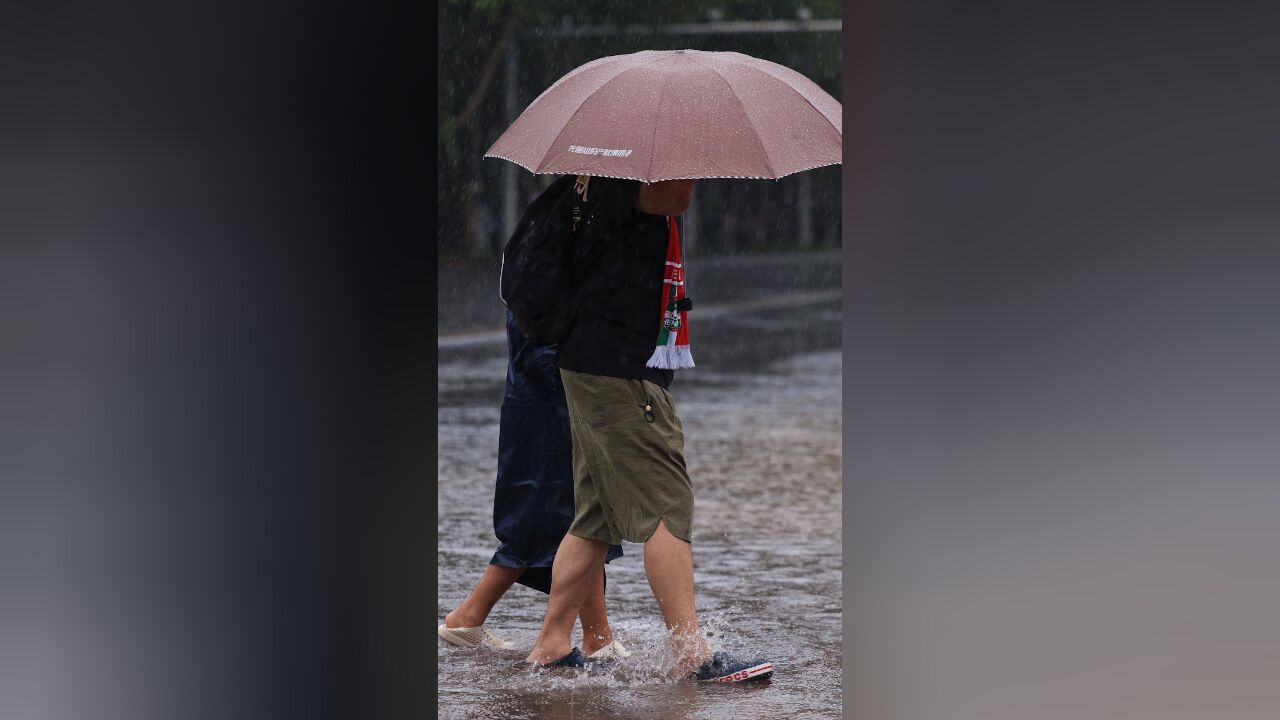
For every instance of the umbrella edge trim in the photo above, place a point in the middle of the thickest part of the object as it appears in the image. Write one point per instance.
(685, 177)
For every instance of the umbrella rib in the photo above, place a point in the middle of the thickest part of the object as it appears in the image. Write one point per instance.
(653, 142)
(767, 160)
(560, 134)
(599, 63)
(793, 89)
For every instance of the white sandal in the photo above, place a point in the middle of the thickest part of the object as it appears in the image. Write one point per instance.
(473, 637)
(612, 651)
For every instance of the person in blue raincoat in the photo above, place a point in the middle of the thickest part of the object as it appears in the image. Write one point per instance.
(533, 503)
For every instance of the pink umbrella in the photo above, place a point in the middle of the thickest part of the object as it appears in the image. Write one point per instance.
(676, 114)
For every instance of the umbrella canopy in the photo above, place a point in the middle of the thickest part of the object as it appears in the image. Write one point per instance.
(677, 114)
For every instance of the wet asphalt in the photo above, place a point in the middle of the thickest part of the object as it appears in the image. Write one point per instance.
(762, 419)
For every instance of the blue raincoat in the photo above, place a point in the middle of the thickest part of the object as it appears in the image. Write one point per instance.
(533, 504)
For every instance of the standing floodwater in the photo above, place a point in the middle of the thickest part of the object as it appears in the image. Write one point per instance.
(761, 415)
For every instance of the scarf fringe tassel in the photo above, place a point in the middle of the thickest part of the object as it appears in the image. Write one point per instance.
(671, 357)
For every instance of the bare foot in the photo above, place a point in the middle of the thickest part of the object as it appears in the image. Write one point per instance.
(691, 649)
(687, 666)
(460, 619)
(546, 656)
(592, 642)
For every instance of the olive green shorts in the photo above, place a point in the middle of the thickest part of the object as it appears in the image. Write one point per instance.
(628, 470)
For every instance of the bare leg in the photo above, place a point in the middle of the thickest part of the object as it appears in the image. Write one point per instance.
(475, 609)
(668, 562)
(572, 573)
(595, 621)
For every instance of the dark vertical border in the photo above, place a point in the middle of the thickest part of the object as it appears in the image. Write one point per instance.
(217, 295)
(1060, 353)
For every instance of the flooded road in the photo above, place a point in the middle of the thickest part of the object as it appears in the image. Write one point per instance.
(761, 414)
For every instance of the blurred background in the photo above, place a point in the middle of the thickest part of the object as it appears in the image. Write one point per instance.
(1061, 347)
(215, 367)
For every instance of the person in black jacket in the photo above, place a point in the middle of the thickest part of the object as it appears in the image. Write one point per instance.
(533, 502)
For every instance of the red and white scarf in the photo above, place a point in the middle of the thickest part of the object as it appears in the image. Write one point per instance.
(672, 352)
